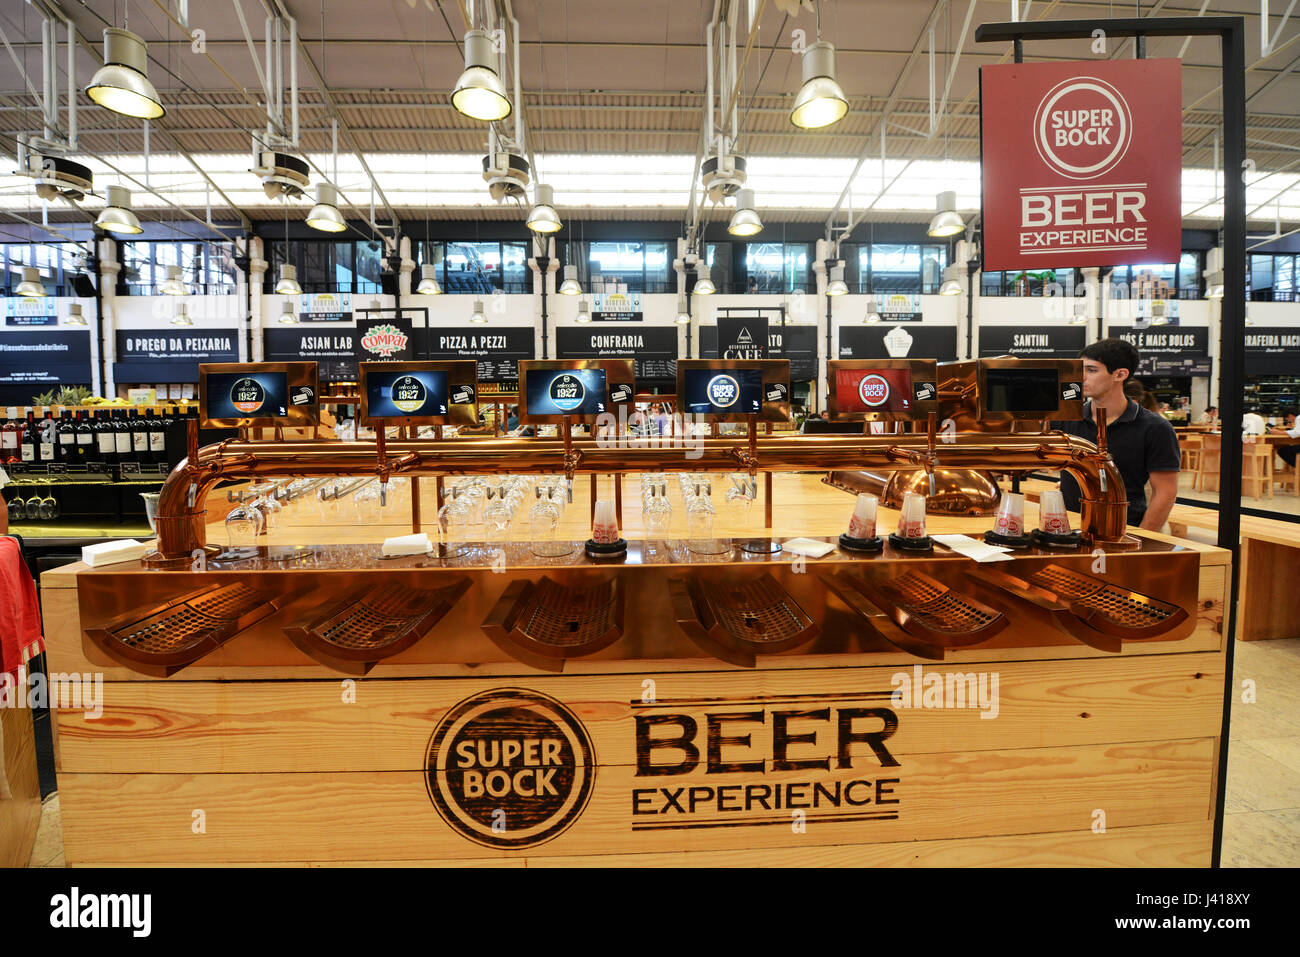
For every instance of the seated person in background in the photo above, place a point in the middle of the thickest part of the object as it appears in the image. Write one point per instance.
(1288, 452)
(1142, 444)
(481, 429)
(512, 418)
(1135, 390)
(1209, 417)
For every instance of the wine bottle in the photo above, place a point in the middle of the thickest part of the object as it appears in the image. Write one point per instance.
(122, 437)
(139, 438)
(157, 437)
(31, 439)
(67, 432)
(9, 437)
(85, 438)
(49, 437)
(105, 439)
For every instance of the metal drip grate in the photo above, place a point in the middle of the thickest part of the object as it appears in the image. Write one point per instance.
(756, 614)
(165, 638)
(1068, 585)
(368, 625)
(938, 608)
(569, 617)
(1128, 609)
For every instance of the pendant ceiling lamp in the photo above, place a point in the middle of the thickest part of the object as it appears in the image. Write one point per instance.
(837, 286)
(116, 216)
(478, 317)
(947, 221)
(120, 84)
(683, 317)
(74, 317)
(571, 286)
(1214, 285)
(544, 218)
(288, 316)
(584, 311)
(479, 93)
(821, 100)
(31, 284)
(745, 221)
(429, 281)
(703, 284)
(173, 285)
(951, 281)
(181, 317)
(288, 283)
(325, 215)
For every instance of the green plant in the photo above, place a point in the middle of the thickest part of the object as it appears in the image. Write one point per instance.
(67, 395)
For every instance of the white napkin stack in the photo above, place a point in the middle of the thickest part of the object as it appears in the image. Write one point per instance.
(974, 549)
(110, 553)
(408, 545)
(808, 546)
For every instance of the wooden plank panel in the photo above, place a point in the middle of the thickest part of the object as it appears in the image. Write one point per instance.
(190, 726)
(1269, 572)
(19, 815)
(112, 818)
(1158, 845)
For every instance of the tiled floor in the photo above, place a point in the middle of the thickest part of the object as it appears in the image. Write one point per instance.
(1262, 822)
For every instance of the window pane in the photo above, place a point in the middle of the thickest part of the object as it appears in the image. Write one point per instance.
(796, 268)
(896, 267)
(764, 263)
(515, 267)
(473, 267)
(658, 268)
(1261, 272)
(610, 264)
(933, 260)
(369, 266)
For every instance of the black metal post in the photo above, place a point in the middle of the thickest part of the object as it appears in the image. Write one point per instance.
(1232, 321)
(543, 264)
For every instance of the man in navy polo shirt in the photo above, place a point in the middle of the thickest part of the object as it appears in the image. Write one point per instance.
(1143, 444)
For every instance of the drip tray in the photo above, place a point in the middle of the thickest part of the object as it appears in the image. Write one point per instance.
(369, 625)
(162, 640)
(736, 622)
(543, 623)
(932, 612)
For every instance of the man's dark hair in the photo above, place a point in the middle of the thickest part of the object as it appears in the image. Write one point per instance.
(1113, 354)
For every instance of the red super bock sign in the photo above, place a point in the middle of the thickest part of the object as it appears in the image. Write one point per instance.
(1082, 163)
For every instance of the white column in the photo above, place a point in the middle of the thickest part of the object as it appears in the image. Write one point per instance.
(109, 268)
(1092, 280)
(257, 267)
(407, 267)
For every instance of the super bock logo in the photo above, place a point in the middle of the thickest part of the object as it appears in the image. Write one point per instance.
(510, 768)
(384, 341)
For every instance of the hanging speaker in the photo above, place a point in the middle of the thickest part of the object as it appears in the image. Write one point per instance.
(83, 287)
(388, 283)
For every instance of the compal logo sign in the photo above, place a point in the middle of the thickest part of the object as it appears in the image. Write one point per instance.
(510, 768)
(1082, 128)
(384, 340)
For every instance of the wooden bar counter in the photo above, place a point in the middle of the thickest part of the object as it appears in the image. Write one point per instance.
(671, 742)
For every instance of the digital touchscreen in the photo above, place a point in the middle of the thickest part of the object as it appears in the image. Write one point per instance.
(394, 395)
(1021, 390)
(565, 392)
(723, 391)
(874, 390)
(247, 395)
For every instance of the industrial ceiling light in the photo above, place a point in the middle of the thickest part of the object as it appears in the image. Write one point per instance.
(584, 311)
(544, 218)
(1214, 285)
(288, 316)
(947, 221)
(173, 285)
(120, 84)
(837, 286)
(288, 284)
(74, 317)
(745, 221)
(31, 284)
(951, 281)
(571, 286)
(181, 317)
(116, 216)
(325, 215)
(871, 318)
(429, 281)
(478, 317)
(479, 93)
(703, 284)
(821, 100)
(683, 317)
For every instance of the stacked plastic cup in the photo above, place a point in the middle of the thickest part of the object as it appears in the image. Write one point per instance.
(911, 524)
(1010, 521)
(604, 529)
(862, 524)
(1052, 516)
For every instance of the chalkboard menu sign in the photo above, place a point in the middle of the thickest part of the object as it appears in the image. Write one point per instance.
(913, 341)
(1273, 351)
(1042, 342)
(653, 347)
(1169, 350)
(496, 349)
(154, 355)
(796, 343)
